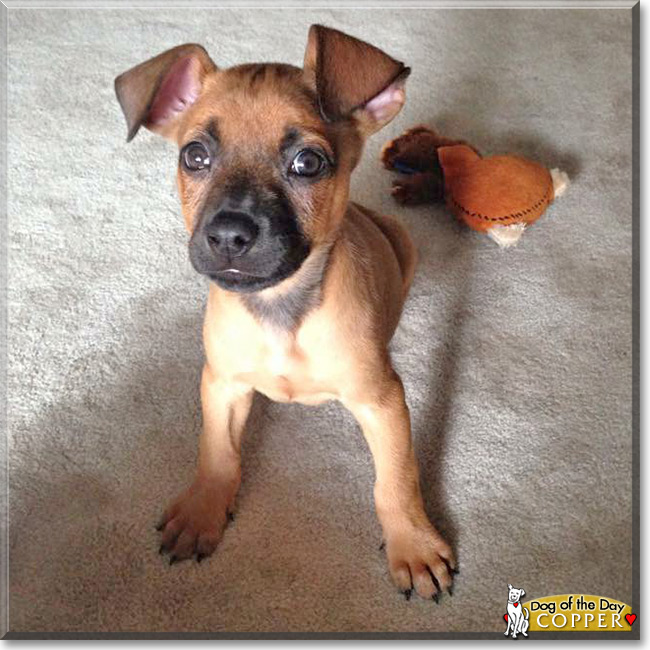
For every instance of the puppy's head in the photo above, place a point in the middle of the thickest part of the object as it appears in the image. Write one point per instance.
(265, 150)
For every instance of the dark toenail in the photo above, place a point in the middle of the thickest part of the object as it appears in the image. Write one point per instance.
(436, 597)
(450, 592)
(434, 580)
(382, 546)
(173, 559)
(452, 571)
(231, 516)
(200, 557)
(161, 550)
(407, 594)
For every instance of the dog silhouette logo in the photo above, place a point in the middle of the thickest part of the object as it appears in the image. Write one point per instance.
(517, 616)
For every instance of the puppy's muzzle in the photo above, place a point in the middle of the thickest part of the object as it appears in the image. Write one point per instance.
(248, 243)
(230, 234)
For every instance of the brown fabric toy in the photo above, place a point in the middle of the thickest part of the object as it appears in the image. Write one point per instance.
(499, 195)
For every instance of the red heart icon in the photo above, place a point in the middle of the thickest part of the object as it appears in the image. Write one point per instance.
(630, 618)
(505, 618)
(516, 604)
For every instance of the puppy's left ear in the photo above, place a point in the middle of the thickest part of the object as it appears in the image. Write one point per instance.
(354, 79)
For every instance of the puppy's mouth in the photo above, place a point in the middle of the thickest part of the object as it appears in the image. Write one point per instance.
(227, 272)
(268, 263)
(232, 279)
(232, 274)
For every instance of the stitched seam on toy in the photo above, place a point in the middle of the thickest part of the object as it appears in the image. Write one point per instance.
(514, 215)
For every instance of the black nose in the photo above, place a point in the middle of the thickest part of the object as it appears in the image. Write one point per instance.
(231, 233)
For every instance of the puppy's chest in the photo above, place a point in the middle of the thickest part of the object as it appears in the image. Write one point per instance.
(280, 368)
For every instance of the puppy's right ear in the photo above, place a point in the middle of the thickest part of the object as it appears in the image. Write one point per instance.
(155, 93)
(509, 586)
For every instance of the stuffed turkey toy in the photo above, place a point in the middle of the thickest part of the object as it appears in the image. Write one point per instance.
(498, 195)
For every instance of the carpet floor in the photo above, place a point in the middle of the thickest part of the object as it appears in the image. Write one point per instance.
(517, 364)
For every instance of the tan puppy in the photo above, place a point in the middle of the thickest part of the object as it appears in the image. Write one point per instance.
(307, 288)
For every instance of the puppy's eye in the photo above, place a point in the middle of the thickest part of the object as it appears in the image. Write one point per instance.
(195, 157)
(307, 163)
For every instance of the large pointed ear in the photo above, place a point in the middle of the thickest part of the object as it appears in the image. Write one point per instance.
(354, 79)
(155, 93)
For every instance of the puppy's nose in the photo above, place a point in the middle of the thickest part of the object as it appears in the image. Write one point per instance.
(231, 233)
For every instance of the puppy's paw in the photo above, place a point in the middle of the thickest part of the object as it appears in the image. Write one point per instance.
(194, 523)
(418, 558)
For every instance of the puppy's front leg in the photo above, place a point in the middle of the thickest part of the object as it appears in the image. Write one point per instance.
(195, 521)
(418, 557)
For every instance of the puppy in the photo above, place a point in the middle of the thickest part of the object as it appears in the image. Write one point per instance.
(517, 615)
(306, 288)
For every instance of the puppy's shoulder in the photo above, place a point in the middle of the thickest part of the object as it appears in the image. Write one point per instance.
(391, 230)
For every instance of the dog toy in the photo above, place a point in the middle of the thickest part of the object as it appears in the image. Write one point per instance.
(499, 195)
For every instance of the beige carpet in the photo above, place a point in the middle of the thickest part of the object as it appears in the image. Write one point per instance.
(517, 365)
